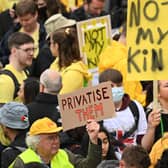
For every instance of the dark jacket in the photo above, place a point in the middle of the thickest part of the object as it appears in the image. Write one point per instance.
(6, 22)
(13, 150)
(80, 14)
(4, 50)
(44, 59)
(45, 105)
(118, 12)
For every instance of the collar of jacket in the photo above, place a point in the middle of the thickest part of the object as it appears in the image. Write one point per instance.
(47, 98)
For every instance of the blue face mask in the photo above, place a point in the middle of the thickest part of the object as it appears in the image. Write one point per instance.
(117, 93)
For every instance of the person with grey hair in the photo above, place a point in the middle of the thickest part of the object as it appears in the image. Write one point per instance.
(46, 102)
(14, 122)
(51, 81)
(44, 147)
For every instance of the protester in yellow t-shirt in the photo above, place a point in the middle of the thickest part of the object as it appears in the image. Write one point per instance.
(74, 72)
(21, 47)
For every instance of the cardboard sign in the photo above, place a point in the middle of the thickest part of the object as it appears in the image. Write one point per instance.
(147, 40)
(87, 103)
(94, 35)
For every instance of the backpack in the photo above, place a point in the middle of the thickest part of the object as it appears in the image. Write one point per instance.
(13, 77)
(20, 149)
(9, 154)
(119, 142)
(134, 109)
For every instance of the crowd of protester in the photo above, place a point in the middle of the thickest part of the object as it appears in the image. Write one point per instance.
(40, 59)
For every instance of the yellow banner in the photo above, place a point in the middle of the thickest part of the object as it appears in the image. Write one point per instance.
(147, 40)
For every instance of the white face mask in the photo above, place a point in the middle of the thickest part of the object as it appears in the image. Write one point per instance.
(117, 93)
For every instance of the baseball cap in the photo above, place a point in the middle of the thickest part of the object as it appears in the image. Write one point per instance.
(14, 115)
(56, 22)
(44, 126)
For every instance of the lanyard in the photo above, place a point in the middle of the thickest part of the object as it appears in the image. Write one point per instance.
(161, 126)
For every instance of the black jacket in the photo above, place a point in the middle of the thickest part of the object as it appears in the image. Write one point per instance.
(44, 60)
(6, 22)
(45, 105)
(13, 150)
(80, 14)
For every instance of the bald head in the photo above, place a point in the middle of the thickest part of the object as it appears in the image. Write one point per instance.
(51, 81)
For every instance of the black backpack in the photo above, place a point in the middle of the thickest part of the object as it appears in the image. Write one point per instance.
(119, 142)
(15, 81)
(135, 112)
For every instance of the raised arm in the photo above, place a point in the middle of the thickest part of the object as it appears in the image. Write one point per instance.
(153, 121)
(94, 151)
(92, 128)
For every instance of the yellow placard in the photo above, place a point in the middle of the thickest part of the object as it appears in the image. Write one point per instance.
(147, 40)
(94, 35)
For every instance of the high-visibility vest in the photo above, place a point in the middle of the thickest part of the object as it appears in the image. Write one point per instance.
(60, 160)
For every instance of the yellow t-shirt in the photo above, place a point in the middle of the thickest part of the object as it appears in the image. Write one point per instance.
(35, 36)
(7, 86)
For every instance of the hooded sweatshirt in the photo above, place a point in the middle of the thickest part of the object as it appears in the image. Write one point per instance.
(74, 77)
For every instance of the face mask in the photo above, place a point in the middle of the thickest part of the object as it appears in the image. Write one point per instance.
(117, 93)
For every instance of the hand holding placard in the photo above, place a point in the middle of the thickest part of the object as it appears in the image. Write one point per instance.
(92, 128)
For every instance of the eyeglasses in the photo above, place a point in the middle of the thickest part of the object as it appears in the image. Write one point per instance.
(27, 50)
